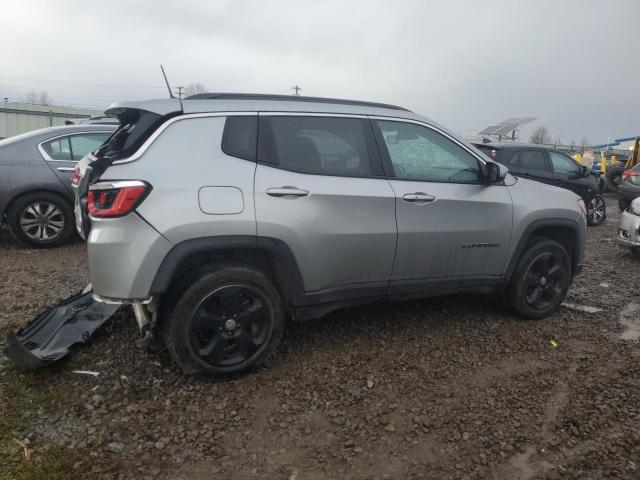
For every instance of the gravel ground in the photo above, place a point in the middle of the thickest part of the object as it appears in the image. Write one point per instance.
(445, 388)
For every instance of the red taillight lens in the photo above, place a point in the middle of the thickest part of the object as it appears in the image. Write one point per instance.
(116, 201)
(629, 173)
(75, 178)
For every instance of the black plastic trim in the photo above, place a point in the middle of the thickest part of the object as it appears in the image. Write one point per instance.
(549, 223)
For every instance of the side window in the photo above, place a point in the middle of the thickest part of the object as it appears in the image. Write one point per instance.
(318, 145)
(563, 164)
(85, 143)
(528, 160)
(420, 153)
(240, 137)
(58, 149)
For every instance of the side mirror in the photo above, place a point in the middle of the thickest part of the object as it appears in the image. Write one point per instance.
(492, 173)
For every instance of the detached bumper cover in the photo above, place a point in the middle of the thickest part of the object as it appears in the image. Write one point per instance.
(50, 335)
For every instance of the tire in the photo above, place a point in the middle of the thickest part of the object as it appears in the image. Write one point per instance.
(596, 211)
(228, 320)
(546, 268)
(623, 204)
(40, 220)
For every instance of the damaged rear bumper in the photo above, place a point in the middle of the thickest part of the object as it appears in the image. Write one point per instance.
(51, 335)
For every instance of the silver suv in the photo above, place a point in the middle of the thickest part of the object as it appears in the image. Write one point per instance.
(220, 216)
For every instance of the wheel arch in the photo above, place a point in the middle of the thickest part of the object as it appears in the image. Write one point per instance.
(564, 231)
(16, 195)
(270, 256)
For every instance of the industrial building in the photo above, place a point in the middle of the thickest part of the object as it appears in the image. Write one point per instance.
(16, 118)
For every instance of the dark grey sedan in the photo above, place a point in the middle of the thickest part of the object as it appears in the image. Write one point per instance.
(36, 199)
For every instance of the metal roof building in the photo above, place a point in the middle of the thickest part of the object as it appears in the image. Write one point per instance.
(16, 118)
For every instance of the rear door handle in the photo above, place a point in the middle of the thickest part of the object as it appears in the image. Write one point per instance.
(418, 197)
(65, 169)
(287, 192)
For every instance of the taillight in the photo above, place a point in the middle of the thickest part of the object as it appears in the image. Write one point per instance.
(75, 178)
(116, 199)
(629, 173)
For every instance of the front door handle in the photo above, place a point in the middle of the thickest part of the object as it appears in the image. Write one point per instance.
(418, 197)
(287, 192)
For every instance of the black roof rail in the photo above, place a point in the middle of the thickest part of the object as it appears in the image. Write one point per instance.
(289, 98)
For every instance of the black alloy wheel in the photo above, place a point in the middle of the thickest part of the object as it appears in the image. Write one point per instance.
(230, 325)
(225, 319)
(545, 281)
(540, 280)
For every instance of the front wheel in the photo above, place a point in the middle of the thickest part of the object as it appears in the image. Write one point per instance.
(540, 280)
(227, 321)
(596, 211)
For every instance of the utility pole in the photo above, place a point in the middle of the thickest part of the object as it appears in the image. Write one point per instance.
(296, 90)
(180, 92)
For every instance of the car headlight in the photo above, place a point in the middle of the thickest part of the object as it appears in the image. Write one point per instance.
(634, 207)
(583, 207)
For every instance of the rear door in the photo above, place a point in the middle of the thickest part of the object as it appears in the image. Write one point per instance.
(319, 189)
(62, 153)
(532, 164)
(451, 226)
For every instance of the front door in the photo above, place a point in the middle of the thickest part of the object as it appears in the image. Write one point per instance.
(320, 190)
(451, 226)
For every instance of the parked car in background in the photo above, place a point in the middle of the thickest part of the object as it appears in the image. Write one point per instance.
(553, 167)
(309, 206)
(629, 227)
(629, 188)
(99, 120)
(36, 197)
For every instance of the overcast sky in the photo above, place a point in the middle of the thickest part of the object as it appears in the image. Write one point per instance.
(467, 64)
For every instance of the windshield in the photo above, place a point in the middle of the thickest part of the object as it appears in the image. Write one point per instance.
(489, 151)
(135, 127)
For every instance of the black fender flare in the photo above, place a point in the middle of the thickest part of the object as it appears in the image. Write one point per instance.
(578, 249)
(282, 259)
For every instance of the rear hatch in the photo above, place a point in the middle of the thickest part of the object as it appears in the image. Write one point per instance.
(136, 125)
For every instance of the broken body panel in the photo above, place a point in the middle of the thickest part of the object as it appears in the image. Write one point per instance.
(51, 335)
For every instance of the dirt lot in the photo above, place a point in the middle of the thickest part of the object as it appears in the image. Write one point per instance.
(445, 388)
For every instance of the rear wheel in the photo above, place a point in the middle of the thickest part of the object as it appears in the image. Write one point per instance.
(541, 279)
(227, 321)
(40, 219)
(596, 211)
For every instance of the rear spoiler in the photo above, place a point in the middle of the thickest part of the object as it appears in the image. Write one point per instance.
(162, 106)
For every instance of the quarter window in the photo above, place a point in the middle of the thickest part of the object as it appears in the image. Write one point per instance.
(563, 164)
(318, 145)
(58, 149)
(420, 153)
(241, 136)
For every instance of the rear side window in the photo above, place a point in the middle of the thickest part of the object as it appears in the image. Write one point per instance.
(319, 145)
(58, 149)
(240, 138)
(528, 160)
